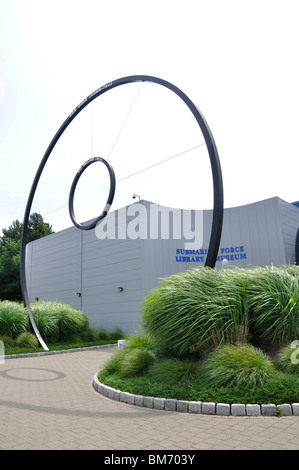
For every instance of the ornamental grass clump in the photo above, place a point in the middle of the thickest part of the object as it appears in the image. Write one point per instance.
(172, 371)
(46, 319)
(13, 319)
(26, 340)
(240, 365)
(136, 362)
(196, 310)
(57, 321)
(273, 302)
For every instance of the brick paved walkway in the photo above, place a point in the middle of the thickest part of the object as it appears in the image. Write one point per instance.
(48, 402)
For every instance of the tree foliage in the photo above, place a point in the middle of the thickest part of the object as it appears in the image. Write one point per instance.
(10, 286)
(37, 228)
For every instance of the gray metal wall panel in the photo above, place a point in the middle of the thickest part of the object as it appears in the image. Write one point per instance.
(106, 265)
(62, 264)
(56, 267)
(289, 218)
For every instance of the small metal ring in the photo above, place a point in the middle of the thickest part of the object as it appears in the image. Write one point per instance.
(110, 196)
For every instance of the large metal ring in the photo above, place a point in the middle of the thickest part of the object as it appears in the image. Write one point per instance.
(217, 220)
(109, 200)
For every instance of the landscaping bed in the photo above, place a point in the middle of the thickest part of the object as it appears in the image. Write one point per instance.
(211, 336)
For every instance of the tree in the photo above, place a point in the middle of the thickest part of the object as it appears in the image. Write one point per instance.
(10, 285)
(36, 229)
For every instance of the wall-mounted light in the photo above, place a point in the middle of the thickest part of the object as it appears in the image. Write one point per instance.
(135, 195)
(36, 299)
(120, 289)
(78, 294)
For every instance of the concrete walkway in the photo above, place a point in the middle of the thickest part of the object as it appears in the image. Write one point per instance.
(48, 402)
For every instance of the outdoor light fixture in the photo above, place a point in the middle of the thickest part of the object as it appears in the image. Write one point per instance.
(78, 294)
(135, 195)
(36, 299)
(120, 289)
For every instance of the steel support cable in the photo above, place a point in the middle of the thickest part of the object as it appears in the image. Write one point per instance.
(125, 120)
(141, 171)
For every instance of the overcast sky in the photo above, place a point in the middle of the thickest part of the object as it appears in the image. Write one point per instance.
(236, 60)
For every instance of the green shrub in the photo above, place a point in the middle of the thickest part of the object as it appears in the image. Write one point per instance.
(13, 319)
(71, 321)
(287, 359)
(195, 310)
(58, 322)
(27, 340)
(139, 340)
(116, 334)
(46, 317)
(273, 300)
(7, 340)
(237, 365)
(113, 365)
(136, 362)
(171, 371)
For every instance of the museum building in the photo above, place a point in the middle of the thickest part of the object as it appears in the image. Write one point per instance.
(106, 272)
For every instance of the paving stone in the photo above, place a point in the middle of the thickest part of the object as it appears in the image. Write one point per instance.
(123, 397)
(182, 406)
(149, 402)
(286, 410)
(223, 409)
(253, 410)
(105, 390)
(238, 409)
(110, 392)
(139, 400)
(208, 408)
(170, 404)
(159, 403)
(268, 410)
(116, 395)
(68, 413)
(195, 407)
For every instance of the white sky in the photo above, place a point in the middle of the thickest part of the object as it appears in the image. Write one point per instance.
(237, 61)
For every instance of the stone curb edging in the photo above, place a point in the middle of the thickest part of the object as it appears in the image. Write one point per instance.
(62, 351)
(197, 407)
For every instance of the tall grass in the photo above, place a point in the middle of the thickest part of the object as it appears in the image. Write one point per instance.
(199, 309)
(57, 321)
(273, 300)
(13, 319)
(191, 311)
(173, 370)
(237, 365)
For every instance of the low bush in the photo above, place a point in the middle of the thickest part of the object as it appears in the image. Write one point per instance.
(57, 321)
(237, 365)
(26, 340)
(136, 362)
(141, 341)
(171, 371)
(273, 302)
(13, 319)
(6, 340)
(190, 312)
